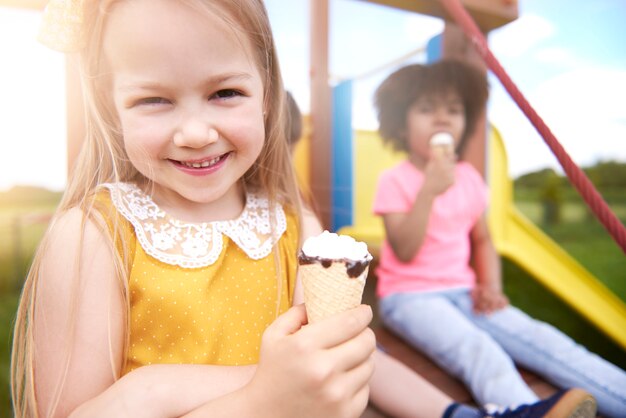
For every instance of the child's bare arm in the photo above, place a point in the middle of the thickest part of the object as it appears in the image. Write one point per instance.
(406, 231)
(488, 295)
(400, 392)
(166, 390)
(78, 317)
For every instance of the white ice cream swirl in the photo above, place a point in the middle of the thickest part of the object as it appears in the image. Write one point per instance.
(329, 245)
(441, 138)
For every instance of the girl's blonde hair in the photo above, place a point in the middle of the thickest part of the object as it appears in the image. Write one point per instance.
(103, 159)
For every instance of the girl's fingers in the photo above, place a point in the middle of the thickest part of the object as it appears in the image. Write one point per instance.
(353, 353)
(355, 382)
(339, 328)
(289, 322)
(361, 399)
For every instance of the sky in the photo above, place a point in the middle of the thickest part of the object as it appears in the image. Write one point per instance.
(565, 56)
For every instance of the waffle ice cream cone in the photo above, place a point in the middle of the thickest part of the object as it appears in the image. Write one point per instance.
(442, 144)
(333, 269)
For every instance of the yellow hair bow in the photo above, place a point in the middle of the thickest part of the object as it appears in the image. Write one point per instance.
(62, 25)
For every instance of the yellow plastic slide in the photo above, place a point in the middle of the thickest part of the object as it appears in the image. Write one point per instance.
(515, 237)
(518, 239)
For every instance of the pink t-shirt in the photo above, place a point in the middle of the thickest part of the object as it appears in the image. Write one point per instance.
(442, 261)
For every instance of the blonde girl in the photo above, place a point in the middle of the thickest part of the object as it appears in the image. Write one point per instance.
(164, 284)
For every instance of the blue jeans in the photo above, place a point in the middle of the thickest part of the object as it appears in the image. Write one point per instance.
(480, 349)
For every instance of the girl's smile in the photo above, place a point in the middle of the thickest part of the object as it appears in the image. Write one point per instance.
(201, 167)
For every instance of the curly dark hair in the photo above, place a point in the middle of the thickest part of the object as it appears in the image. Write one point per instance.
(399, 91)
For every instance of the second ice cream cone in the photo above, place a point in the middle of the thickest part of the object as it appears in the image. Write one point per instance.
(442, 144)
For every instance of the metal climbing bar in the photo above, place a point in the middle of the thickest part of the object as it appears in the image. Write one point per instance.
(577, 177)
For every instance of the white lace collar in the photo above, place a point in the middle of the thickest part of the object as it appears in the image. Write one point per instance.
(193, 245)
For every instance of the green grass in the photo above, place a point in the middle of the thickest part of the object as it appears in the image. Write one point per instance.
(8, 306)
(22, 233)
(586, 240)
(591, 245)
(22, 227)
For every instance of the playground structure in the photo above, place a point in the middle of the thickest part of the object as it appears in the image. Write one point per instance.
(343, 167)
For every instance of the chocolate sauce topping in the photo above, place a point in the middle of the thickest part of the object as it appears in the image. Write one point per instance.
(354, 268)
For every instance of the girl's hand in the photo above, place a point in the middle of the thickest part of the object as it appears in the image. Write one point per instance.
(488, 299)
(439, 174)
(317, 370)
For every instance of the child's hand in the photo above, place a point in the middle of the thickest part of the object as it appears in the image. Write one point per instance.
(439, 174)
(319, 370)
(488, 299)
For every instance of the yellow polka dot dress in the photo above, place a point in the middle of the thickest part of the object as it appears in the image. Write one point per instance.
(204, 293)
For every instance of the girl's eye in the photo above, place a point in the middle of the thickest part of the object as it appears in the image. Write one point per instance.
(152, 101)
(424, 108)
(227, 94)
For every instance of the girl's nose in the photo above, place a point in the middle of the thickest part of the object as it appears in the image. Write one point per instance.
(195, 133)
(442, 114)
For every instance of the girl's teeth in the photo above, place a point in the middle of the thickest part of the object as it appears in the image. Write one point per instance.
(203, 164)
